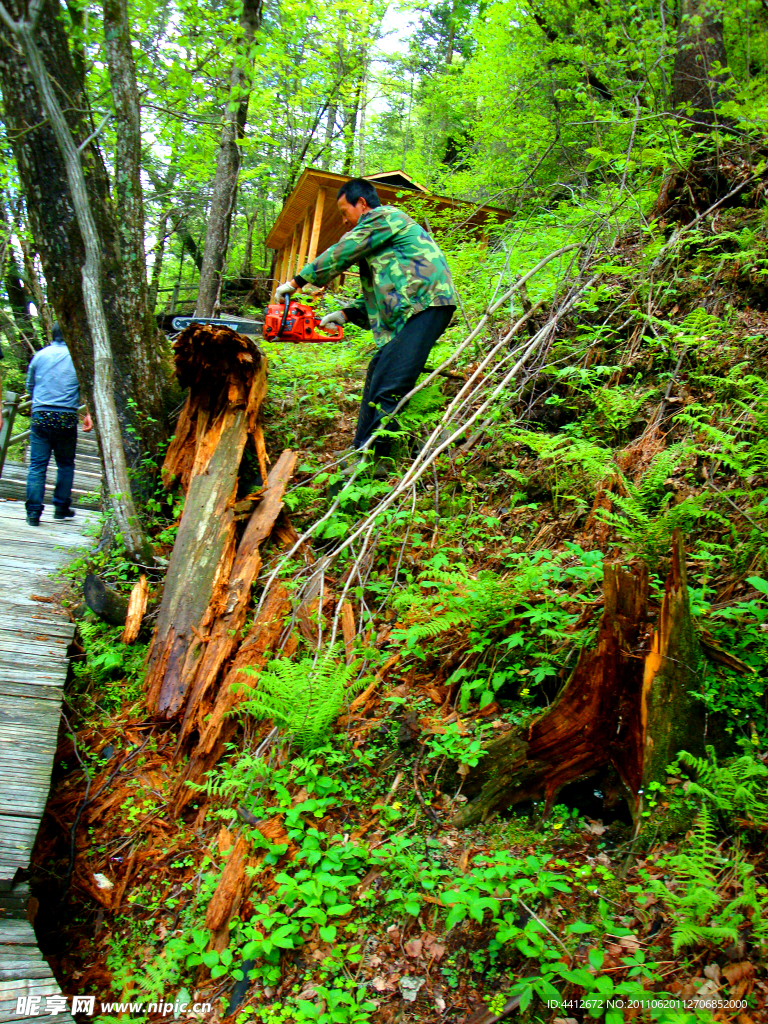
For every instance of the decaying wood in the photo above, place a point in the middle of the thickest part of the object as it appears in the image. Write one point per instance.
(252, 654)
(137, 606)
(625, 708)
(215, 723)
(232, 599)
(226, 377)
(348, 629)
(228, 895)
(108, 604)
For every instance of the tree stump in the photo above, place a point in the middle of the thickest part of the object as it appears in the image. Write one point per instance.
(226, 376)
(626, 705)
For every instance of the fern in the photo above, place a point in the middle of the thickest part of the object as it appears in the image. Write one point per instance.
(697, 893)
(646, 516)
(578, 463)
(736, 789)
(619, 406)
(694, 899)
(305, 698)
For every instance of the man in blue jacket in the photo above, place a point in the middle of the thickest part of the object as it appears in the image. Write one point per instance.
(52, 382)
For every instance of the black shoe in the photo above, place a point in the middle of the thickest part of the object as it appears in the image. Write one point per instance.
(33, 521)
(61, 514)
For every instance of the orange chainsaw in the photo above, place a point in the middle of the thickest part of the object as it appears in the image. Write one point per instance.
(296, 323)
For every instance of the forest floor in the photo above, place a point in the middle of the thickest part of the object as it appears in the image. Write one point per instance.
(355, 898)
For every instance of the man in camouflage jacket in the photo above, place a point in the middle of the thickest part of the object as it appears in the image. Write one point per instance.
(408, 297)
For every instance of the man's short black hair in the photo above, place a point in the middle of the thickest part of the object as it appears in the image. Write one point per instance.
(56, 334)
(359, 188)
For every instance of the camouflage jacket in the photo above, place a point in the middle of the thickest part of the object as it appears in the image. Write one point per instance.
(402, 271)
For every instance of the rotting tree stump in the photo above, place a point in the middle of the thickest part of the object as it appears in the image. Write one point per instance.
(226, 376)
(626, 706)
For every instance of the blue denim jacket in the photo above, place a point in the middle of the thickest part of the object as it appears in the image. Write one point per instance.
(51, 379)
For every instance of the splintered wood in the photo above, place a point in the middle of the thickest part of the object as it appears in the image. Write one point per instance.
(626, 709)
(137, 606)
(214, 562)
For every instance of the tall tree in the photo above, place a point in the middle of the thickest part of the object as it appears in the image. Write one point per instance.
(228, 163)
(699, 76)
(31, 46)
(144, 336)
(54, 225)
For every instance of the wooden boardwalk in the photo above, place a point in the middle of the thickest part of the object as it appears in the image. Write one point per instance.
(35, 634)
(85, 491)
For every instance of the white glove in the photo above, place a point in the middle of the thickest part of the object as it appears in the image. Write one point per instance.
(285, 289)
(333, 318)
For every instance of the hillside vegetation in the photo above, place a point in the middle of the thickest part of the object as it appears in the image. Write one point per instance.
(578, 498)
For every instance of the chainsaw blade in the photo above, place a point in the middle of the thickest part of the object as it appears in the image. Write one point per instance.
(254, 327)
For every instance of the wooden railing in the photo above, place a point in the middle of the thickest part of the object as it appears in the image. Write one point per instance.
(12, 405)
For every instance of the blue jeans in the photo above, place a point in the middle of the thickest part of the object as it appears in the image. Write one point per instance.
(45, 440)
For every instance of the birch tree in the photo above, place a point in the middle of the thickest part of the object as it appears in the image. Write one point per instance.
(228, 164)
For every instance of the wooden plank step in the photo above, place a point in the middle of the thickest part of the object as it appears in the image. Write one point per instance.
(16, 933)
(36, 623)
(15, 677)
(42, 691)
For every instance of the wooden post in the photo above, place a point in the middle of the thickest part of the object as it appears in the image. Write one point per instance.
(281, 264)
(304, 244)
(317, 223)
(292, 258)
(10, 407)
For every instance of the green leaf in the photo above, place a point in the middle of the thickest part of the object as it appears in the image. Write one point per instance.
(525, 997)
(595, 957)
(328, 934)
(580, 928)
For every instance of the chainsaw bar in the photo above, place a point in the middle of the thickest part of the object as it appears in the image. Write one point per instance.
(179, 323)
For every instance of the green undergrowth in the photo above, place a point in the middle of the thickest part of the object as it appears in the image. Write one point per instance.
(550, 927)
(648, 419)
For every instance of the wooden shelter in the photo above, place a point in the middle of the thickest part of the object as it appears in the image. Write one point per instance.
(309, 222)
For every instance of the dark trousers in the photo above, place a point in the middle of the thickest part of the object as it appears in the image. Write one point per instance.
(394, 370)
(44, 441)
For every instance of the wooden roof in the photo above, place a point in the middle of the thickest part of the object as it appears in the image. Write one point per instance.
(388, 185)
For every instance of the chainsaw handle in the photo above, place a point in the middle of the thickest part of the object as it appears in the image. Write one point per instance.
(337, 335)
(287, 299)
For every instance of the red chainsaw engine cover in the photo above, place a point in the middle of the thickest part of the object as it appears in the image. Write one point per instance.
(301, 324)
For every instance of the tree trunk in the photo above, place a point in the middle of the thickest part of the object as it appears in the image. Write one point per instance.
(262, 641)
(115, 469)
(33, 279)
(697, 78)
(163, 190)
(54, 225)
(227, 165)
(246, 270)
(330, 127)
(626, 708)
(144, 337)
(350, 126)
(19, 296)
(226, 377)
(109, 604)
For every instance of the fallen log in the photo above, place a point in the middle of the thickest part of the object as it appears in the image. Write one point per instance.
(108, 604)
(626, 707)
(226, 377)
